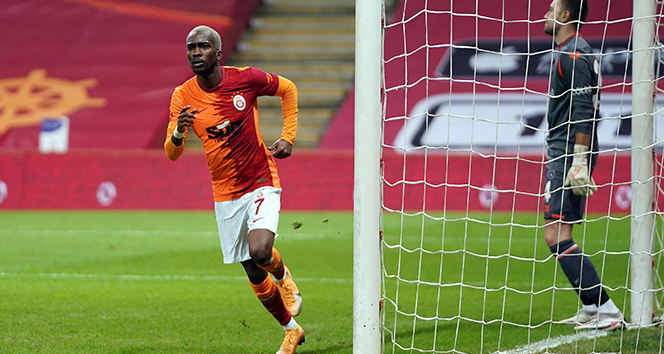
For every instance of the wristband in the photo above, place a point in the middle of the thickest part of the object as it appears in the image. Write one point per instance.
(580, 154)
(177, 134)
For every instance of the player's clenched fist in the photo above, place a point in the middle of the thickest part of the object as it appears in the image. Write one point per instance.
(186, 119)
(281, 149)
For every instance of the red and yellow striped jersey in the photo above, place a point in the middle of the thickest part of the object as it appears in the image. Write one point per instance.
(227, 123)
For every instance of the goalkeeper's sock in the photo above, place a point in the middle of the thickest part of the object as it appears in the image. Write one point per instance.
(269, 296)
(590, 308)
(609, 308)
(580, 272)
(276, 266)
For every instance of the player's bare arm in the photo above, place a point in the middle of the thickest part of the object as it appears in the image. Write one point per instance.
(281, 149)
(582, 138)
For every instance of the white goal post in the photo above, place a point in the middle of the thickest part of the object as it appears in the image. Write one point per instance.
(367, 326)
(643, 224)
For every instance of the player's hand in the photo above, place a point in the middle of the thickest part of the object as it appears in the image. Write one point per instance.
(578, 177)
(186, 119)
(581, 183)
(281, 149)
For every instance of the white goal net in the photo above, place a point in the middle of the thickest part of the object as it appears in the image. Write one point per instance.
(464, 265)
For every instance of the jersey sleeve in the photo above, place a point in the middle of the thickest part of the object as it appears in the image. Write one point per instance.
(173, 152)
(288, 93)
(578, 70)
(265, 84)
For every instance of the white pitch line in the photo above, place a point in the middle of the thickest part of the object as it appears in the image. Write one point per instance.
(137, 233)
(549, 343)
(156, 277)
(392, 239)
(151, 233)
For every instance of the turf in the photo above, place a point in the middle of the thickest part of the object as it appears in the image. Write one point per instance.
(645, 341)
(152, 281)
(488, 301)
(141, 282)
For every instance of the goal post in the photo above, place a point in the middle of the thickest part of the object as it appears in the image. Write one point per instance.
(642, 226)
(367, 327)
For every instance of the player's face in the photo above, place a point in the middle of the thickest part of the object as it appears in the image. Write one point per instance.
(202, 55)
(551, 16)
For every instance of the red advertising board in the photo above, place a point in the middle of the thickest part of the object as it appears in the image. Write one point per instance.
(311, 180)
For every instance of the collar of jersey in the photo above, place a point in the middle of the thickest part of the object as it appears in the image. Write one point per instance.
(565, 40)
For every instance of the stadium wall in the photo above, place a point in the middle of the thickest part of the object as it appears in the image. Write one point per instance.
(311, 180)
(109, 66)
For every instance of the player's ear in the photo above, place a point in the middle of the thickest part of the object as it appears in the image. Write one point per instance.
(565, 16)
(219, 53)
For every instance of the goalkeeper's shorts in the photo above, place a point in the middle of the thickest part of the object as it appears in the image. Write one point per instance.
(258, 209)
(561, 203)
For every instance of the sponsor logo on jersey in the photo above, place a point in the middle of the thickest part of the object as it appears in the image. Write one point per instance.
(224, 130)
(224, 124)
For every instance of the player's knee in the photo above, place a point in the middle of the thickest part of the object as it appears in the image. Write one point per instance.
(261, 255)
(551, 238)
(555, 232)
(260, 246)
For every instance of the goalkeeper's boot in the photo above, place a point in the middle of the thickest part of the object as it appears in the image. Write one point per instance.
(290, 294)
(293, 338)
(581, 317)
(605, 321)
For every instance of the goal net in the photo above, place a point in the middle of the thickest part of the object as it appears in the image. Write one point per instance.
(464, 266)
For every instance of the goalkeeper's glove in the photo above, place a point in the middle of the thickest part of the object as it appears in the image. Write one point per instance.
(578, 177)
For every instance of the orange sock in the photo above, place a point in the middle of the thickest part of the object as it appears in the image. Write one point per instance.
(268, 294)
(276, 267)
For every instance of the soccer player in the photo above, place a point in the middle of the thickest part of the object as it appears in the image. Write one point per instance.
(219, 104)
(572, 111)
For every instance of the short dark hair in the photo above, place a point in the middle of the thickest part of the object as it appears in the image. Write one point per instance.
(578, 10)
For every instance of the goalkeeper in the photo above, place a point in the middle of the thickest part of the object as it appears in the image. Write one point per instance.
(572, 111)
(219, 105)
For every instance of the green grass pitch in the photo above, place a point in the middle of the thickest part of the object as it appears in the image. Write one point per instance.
(154, 282)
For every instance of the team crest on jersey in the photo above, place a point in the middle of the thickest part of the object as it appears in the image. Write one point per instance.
(239, 102)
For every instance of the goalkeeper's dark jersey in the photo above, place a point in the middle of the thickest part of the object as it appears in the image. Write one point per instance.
(573, 102)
